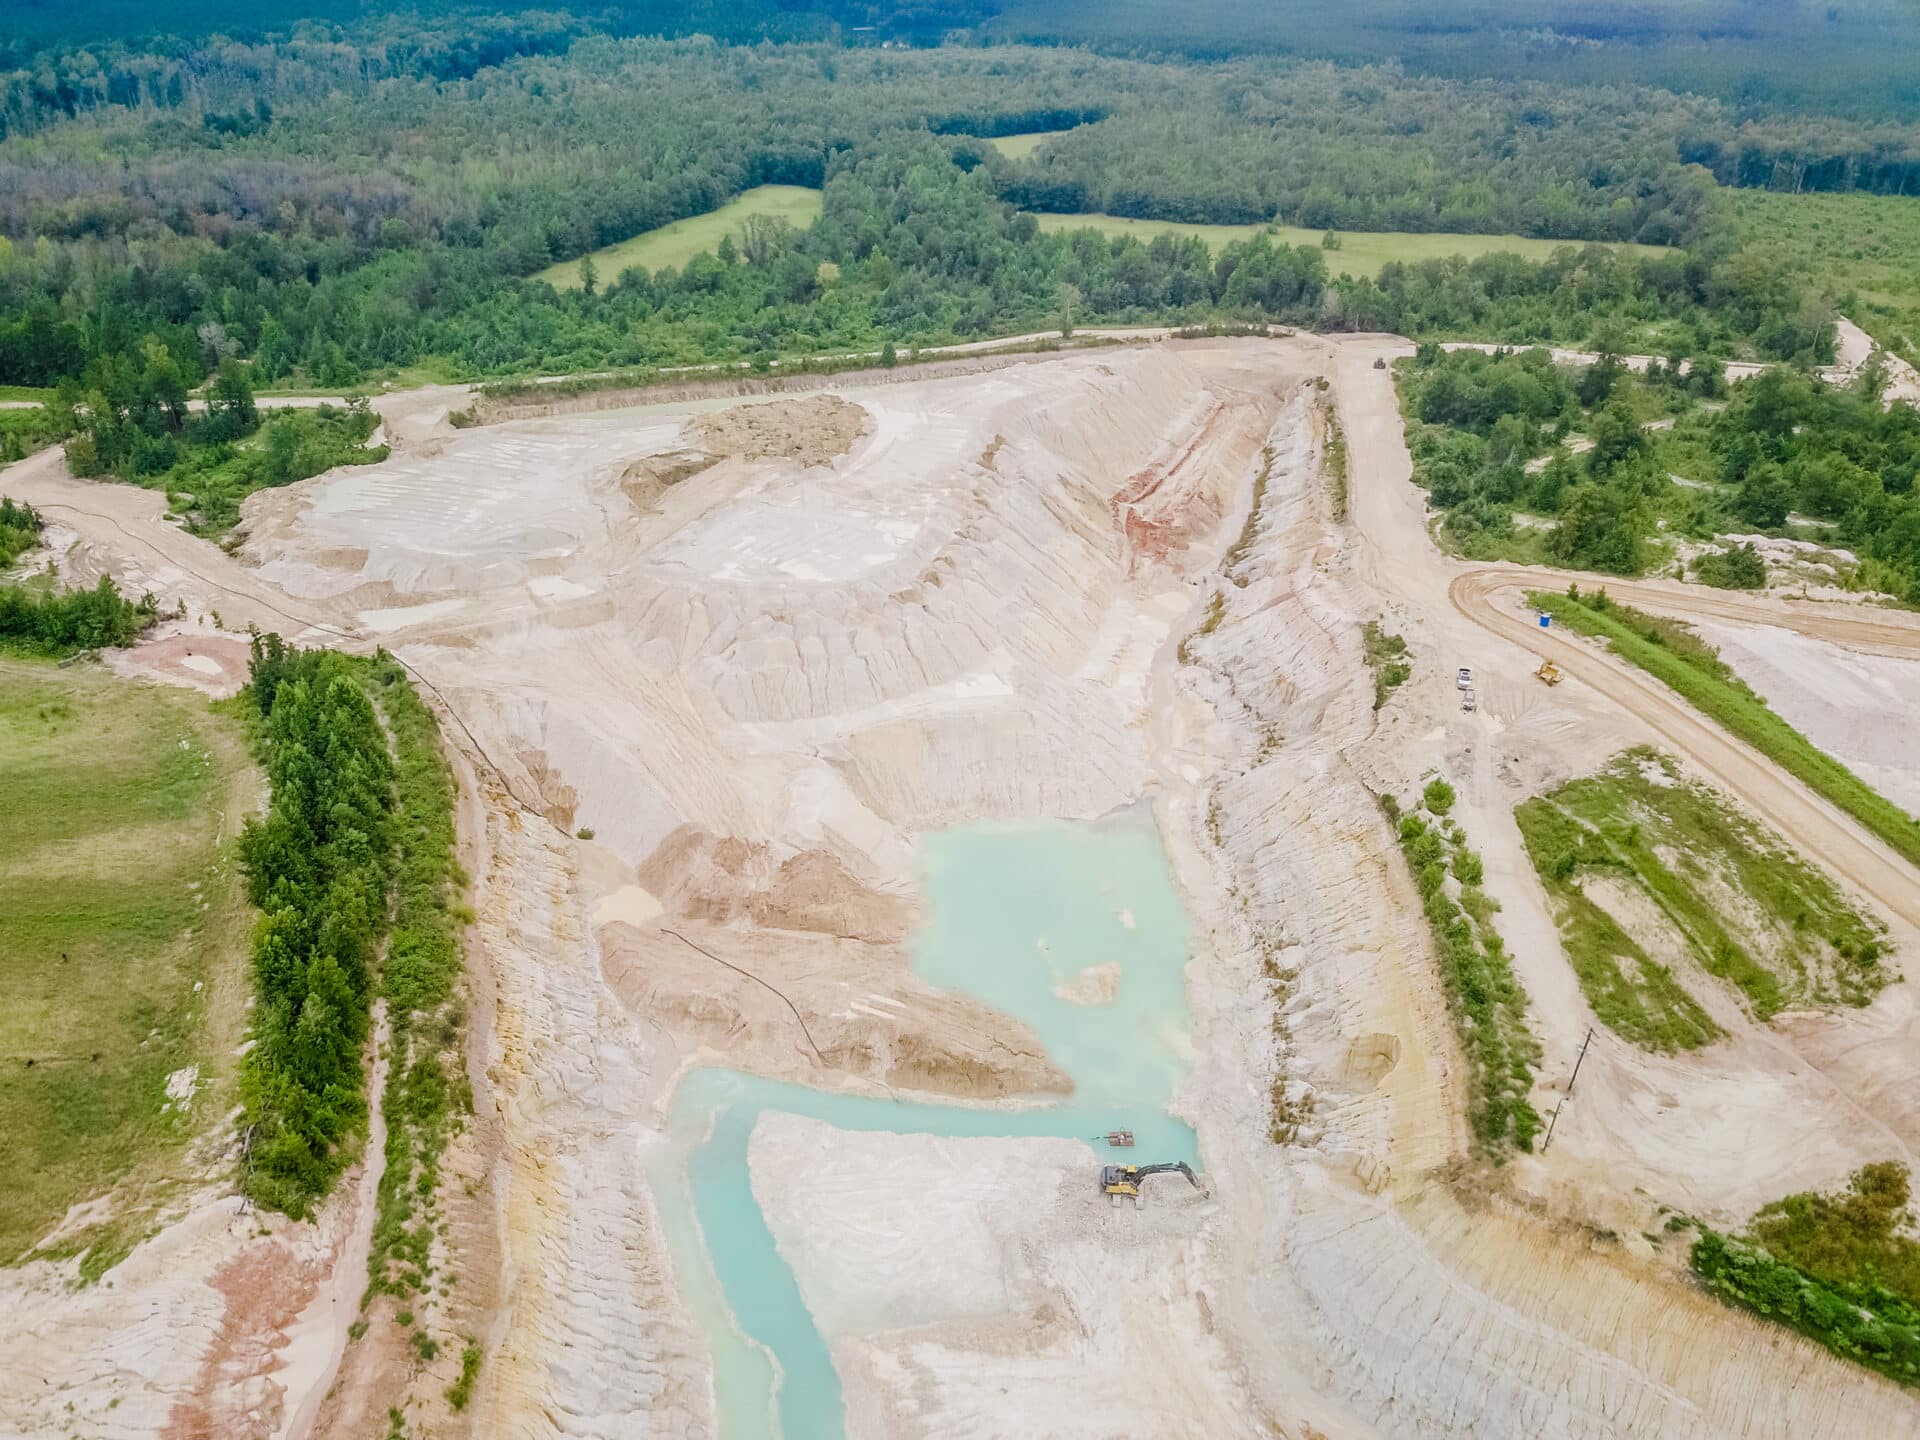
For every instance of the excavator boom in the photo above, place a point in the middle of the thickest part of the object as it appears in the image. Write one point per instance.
(1118, 1180)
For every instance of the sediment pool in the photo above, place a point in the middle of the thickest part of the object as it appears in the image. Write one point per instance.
(1017, 913)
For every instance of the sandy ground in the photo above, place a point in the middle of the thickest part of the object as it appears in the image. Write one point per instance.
(1852, 703)
(708, 678)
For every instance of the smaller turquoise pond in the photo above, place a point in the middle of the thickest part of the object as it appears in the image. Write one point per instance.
(1013, 912)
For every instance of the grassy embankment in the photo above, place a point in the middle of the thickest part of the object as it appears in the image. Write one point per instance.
(1488, 1005)
(427, 1089)
(1837, 1268)
(1640, 857)
(1674, 655)
(675, 244)
(1864, 248)
(24, 430)
(123, 948)
(1336, 466)
(1361, 254)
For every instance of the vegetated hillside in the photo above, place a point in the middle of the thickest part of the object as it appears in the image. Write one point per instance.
(1843, 1268)
(1657, 881)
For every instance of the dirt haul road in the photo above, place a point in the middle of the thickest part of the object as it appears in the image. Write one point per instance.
(1493, 599)
(756, 650)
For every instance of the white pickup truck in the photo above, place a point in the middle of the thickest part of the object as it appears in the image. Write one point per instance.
(1465, 681)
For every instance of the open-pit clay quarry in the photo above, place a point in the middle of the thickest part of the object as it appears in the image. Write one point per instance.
(714, 669)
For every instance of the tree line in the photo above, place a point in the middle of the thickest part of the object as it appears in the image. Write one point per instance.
(318, 867)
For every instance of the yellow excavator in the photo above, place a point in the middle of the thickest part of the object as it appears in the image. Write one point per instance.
(1549, 672)
(1119, 1180)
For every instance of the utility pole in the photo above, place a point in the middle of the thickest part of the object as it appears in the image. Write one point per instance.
(1563, 1099)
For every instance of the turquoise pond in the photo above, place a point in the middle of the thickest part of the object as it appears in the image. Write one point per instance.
(1013, 911)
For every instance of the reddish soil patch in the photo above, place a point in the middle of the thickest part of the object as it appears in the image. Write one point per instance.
(211, 663)
(265, 1290)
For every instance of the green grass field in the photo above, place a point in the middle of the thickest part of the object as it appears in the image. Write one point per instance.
(123, 942)
(1360, 254)
(679, 242)
(1021, 147)
(1863, 248)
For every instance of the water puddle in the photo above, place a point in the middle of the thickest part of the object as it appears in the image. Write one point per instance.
(1018, 916)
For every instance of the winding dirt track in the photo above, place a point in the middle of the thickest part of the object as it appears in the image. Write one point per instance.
(1491, 598)
(1885, 632)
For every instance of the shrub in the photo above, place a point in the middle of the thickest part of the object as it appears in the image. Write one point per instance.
(1438, 797)
(1387, 656)
(20, 527)
(461, 1391)
(1737, 569)
(62, 622)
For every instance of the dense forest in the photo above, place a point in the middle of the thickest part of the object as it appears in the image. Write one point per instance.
(1759, 56)
(339, 205)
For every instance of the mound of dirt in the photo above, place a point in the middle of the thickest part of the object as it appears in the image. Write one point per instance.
(701, 876)
(651, 476)
(812, 430)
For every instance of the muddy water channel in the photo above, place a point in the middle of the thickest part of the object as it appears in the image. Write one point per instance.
(1075, 929)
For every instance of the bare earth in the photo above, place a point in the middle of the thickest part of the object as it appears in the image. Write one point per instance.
(756, 647)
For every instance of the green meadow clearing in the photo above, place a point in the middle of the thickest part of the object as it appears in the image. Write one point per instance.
(1021, 147)
(675, 244)
(123, 945)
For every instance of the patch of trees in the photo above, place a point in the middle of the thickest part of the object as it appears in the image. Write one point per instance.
(1837, 1268)
(318, 867)
(63, 622)
(130, 419)
(1786, 448)
(1787, 445)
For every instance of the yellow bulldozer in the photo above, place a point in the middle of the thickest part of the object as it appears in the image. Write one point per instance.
(1549, 672)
